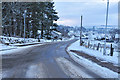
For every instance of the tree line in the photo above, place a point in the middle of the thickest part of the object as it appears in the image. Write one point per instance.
(33, 15)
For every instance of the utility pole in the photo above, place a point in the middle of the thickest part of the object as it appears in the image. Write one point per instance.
(104, 52)
(24, 23)
(81, 32)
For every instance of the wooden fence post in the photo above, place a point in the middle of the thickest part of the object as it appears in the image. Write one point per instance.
(98, 46)
(88, 44)
(93, 46)
(111, 50)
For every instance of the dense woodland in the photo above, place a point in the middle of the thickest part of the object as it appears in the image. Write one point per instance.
(39, 16)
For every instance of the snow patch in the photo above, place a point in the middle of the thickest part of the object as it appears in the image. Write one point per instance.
(36, 71)
(71, 70)
(102, 71)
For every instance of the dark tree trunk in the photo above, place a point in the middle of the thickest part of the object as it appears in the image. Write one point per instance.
(42, 31)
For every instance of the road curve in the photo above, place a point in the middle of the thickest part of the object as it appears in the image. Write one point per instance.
(41, 62)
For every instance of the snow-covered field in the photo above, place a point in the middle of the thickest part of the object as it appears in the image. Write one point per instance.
(99, 55)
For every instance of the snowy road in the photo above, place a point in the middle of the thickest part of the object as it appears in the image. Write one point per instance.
(45, 61)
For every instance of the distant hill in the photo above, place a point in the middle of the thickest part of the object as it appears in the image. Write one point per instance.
(69, 28)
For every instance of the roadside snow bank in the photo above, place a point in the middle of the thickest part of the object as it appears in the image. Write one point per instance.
(19, 50)
(15, 45)
(99, 55)
(5, 47)
(102, 71)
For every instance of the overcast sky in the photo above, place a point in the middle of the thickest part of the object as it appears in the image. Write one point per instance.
(93, 11)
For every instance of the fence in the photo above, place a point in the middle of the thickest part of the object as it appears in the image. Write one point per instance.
(100, 47)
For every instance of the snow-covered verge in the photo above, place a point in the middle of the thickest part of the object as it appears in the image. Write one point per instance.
(99, 55)
(5, 47)
(15, 40)
(102, 71)
(19, 50)
(18, 44)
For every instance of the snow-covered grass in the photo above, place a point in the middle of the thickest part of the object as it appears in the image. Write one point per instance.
(99, 55)
(102, 71)
(8, 43)
(19, 50)
(15, 40)
(17, 43)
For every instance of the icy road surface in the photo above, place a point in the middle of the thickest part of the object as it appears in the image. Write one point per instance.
(44, 61)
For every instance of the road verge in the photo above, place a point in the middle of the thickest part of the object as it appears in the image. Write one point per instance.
(93, 66)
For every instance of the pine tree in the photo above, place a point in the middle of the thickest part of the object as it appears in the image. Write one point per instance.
(39, 15)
